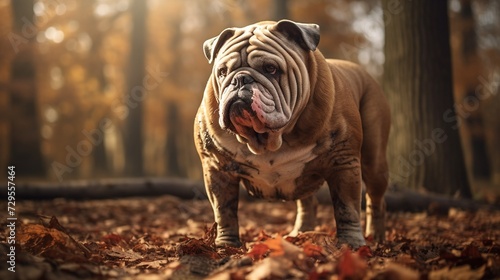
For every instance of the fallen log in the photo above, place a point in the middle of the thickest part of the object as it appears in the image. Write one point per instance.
(110, 188)
(397, 200)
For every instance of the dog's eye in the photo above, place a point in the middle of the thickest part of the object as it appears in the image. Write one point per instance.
(222, 72)
(270, 69)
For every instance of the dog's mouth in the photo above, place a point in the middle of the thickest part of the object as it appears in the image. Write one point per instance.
(243, 121)
(238, 117)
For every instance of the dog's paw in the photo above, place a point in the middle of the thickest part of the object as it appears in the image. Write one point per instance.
(353, 240)
(228, 241)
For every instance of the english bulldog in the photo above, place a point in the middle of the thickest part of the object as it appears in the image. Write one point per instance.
(281, 120)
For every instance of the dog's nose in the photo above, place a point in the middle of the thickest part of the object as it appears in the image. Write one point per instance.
(242, 79)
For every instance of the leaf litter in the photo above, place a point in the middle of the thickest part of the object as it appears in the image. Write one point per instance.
(164, 238)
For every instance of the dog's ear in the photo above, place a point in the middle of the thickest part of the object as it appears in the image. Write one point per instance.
(306, 35)
(212, 46)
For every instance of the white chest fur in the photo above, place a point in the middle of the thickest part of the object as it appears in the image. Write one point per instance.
(273, 175)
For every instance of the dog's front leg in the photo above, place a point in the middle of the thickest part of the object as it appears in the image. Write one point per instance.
(345, 189)
(222, 190)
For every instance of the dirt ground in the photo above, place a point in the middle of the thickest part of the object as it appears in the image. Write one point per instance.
(169, 238)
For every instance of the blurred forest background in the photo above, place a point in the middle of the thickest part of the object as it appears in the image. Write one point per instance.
(109, 88)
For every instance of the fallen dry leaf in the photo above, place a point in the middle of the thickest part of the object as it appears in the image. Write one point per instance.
(312, 250)
(458, 273)
(271, 267)
(258, 251)
(49, 242)
(126, 241)
(351, 265)
(152, 264)
(119, 253)
(395, 271)
(113, 239)
(276, 246)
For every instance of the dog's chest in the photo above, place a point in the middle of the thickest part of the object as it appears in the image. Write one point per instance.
(274, 175)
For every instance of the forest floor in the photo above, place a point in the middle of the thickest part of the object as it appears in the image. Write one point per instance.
(168, 238)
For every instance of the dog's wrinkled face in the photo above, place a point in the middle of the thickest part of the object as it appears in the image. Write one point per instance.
(261, 80)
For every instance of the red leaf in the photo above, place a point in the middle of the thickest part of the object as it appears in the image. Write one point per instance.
(258, 251)
(263, 236)
(276, 246)
(364, 252)
(447, 255)
(471, 251)
(112, 239)
(346, 265)
(351, 266)
(312, 250)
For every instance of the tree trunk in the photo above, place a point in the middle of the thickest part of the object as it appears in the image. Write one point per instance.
(467, 67)
(172, 147)
(424, 145)
(25, 139)
(280, 9)
(6, 51)
(101, 162)
(488, 28)
(136, 93)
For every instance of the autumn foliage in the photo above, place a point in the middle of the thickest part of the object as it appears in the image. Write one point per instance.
(145, 237)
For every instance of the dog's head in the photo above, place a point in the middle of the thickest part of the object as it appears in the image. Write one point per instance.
(260, 79)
